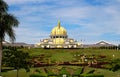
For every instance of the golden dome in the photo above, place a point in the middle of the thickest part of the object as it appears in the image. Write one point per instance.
(58, 30)
(58, 41)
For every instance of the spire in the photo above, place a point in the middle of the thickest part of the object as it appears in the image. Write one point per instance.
(59, 24)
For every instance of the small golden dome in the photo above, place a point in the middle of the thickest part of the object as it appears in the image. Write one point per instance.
(58, 41)
(58, 30)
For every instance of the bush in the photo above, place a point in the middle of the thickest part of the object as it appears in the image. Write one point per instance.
(53, 76)
(37, 70)
(38, 75)
(93, 75)
(34, 75)
(76, 76)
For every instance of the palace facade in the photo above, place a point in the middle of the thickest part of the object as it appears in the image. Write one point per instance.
(58, 39)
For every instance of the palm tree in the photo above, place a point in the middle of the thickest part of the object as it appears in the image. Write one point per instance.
(7, 23)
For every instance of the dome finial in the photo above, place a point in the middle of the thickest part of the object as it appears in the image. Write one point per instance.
(58, 23)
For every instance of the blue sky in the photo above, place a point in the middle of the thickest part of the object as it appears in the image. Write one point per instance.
(88, 20)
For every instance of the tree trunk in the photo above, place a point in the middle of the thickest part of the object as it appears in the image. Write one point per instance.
(17, 72)
(0, 56)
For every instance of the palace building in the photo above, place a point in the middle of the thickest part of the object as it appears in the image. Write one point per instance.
(58, 39)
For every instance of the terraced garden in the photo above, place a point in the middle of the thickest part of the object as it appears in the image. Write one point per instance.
(52, 61)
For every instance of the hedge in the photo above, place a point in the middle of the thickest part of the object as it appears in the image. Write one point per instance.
(38, 75)
(93, 75)
(88, 75)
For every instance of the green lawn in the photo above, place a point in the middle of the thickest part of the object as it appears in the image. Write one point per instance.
(68, 55)
(22, 72)
(13, 73)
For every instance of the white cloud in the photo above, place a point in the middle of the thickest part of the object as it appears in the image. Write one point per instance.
(15, 2)
(71, 12)
(93, 21)
(30, 36)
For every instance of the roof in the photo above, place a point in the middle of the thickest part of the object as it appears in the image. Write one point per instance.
(99, 44)
(58, 30)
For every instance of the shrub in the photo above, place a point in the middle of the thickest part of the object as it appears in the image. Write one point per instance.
(76, 76)
(93, 75)
(37, 70)
(34, 75)
(38, 75)
(52, 75)
(81, 76)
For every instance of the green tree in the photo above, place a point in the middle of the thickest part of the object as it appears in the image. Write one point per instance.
(119, 46)
(7, 23)
(16, 59)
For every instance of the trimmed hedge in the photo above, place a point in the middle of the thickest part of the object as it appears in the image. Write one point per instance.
(37, 70)
(88, 75)
(34, 75)
(53, 76)
(38, 75)
(93, 75)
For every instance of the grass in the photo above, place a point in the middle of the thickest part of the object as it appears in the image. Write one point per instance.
(108, 73)
(13, 73)
(68, 55)
(22, 72)
(61, 56)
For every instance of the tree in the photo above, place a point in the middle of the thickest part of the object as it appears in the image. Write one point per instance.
(7, 23)
(119, 46)
(16, 59)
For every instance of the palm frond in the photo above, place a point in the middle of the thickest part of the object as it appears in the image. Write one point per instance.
(6, 26)
(3, 6)
(11, 33)
(10, 20)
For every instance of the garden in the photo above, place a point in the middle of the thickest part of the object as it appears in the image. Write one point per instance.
(60, 62)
